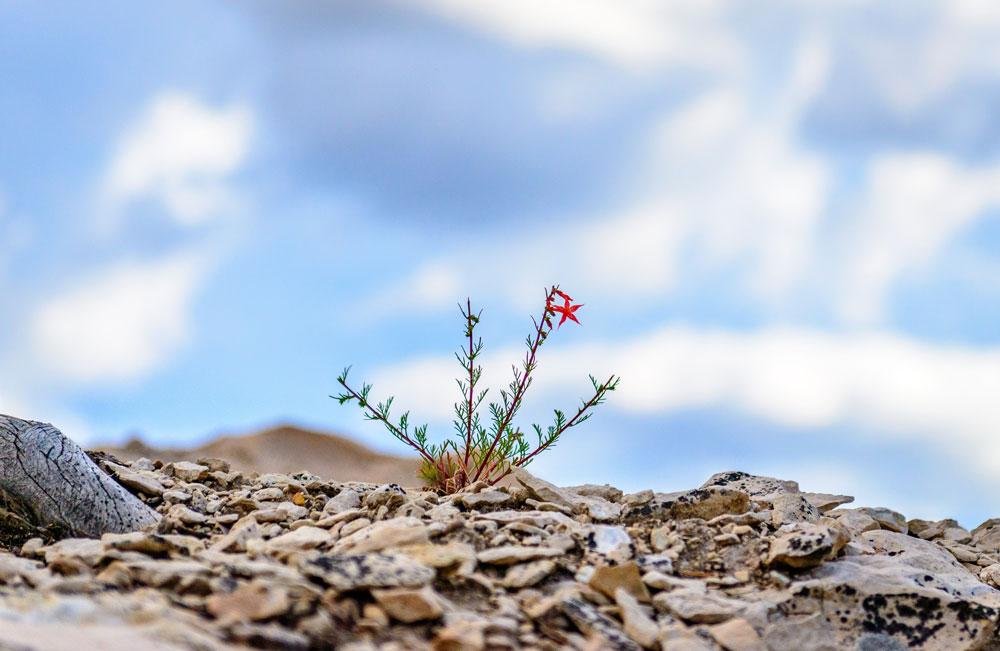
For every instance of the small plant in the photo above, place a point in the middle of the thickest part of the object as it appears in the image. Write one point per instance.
(480, 454)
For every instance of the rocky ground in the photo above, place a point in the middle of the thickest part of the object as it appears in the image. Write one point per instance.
(273, 561)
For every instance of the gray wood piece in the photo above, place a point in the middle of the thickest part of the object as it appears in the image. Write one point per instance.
(53, 479)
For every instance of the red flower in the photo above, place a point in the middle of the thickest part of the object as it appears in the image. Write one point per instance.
(566, 310)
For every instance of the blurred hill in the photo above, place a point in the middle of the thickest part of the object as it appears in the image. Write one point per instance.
(287, 449)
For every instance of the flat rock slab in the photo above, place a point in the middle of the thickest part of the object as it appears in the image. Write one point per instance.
(912, 592)
(703, 503)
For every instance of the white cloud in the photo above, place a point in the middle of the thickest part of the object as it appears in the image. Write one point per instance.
(807, 379)
(120, 325)
(628, 32)
(434, 285)
(913, 205)
(179, 152)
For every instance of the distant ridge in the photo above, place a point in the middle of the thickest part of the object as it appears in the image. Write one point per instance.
(287, 449)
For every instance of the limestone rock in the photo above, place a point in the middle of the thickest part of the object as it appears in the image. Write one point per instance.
(791, 507)
(608, 579)
(508, 555)
(737, 635)
(382, 535)
(697, 607)
(528, 574)
(378, 570)
(752, 485)
(704, 503)
(910, 590)
(824, 502)
(410, 605)
(249, 602)
(805, 545)
(189, 472)
(887, 518)
(637, 623)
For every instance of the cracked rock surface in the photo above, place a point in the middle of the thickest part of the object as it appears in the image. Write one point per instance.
(299, 562)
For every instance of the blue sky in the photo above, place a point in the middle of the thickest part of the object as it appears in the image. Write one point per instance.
(782, 220)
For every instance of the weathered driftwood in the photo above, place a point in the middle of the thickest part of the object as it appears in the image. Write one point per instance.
(47, 480)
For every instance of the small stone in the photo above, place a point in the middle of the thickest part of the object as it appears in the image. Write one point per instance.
(410, 605)
(857, 522)
(189, 472)
(606, 580)
(249, 602)
(138, 481)
(698, 608)
(527, 574)
(176, 496)
(637, 499)
(344, 500)
(382, 535)
(603, 491)
(958, 535)
(32, 547)
(752, 485)
(806, 545)
(87, 551)
(990, 575)
(269, 494)
(638, 624)
(790, 507)
(387, 495)
(705, 503)
(611, 542)
(511, 554)
(462, 635)
(459, 559)
(213, 464)
(299, 540)
(737, 635)
(181, 513)
(824, 502)
(487, 498)
(355, 571)
(887, 518)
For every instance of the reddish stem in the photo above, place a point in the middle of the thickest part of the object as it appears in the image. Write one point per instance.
(601, 390)
(519, 393)
(399, 433)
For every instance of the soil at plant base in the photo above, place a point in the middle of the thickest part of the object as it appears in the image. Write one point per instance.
(302, 561)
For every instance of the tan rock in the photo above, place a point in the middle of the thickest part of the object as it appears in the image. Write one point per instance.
(184, 515)
(638, 624)
(454, 558)
(607, 580)
(805, 545)
(737, 635)
(410, 605)
(250, 602)
(887, 518)
(525, 575)
(699, 608)
(396, 532)
(139, 481)
(462, 635)
(299, 540)
(189, 472)
(510, 554)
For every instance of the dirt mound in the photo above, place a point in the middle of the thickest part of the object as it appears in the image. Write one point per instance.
(287, 449)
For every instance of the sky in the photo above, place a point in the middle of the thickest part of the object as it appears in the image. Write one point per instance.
(781, 220)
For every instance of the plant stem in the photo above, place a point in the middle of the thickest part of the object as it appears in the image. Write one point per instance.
(472, 383)
(519, 393)
(601, 390)
(401, 435)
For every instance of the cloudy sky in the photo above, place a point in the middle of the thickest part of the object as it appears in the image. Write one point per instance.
(781, 218)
